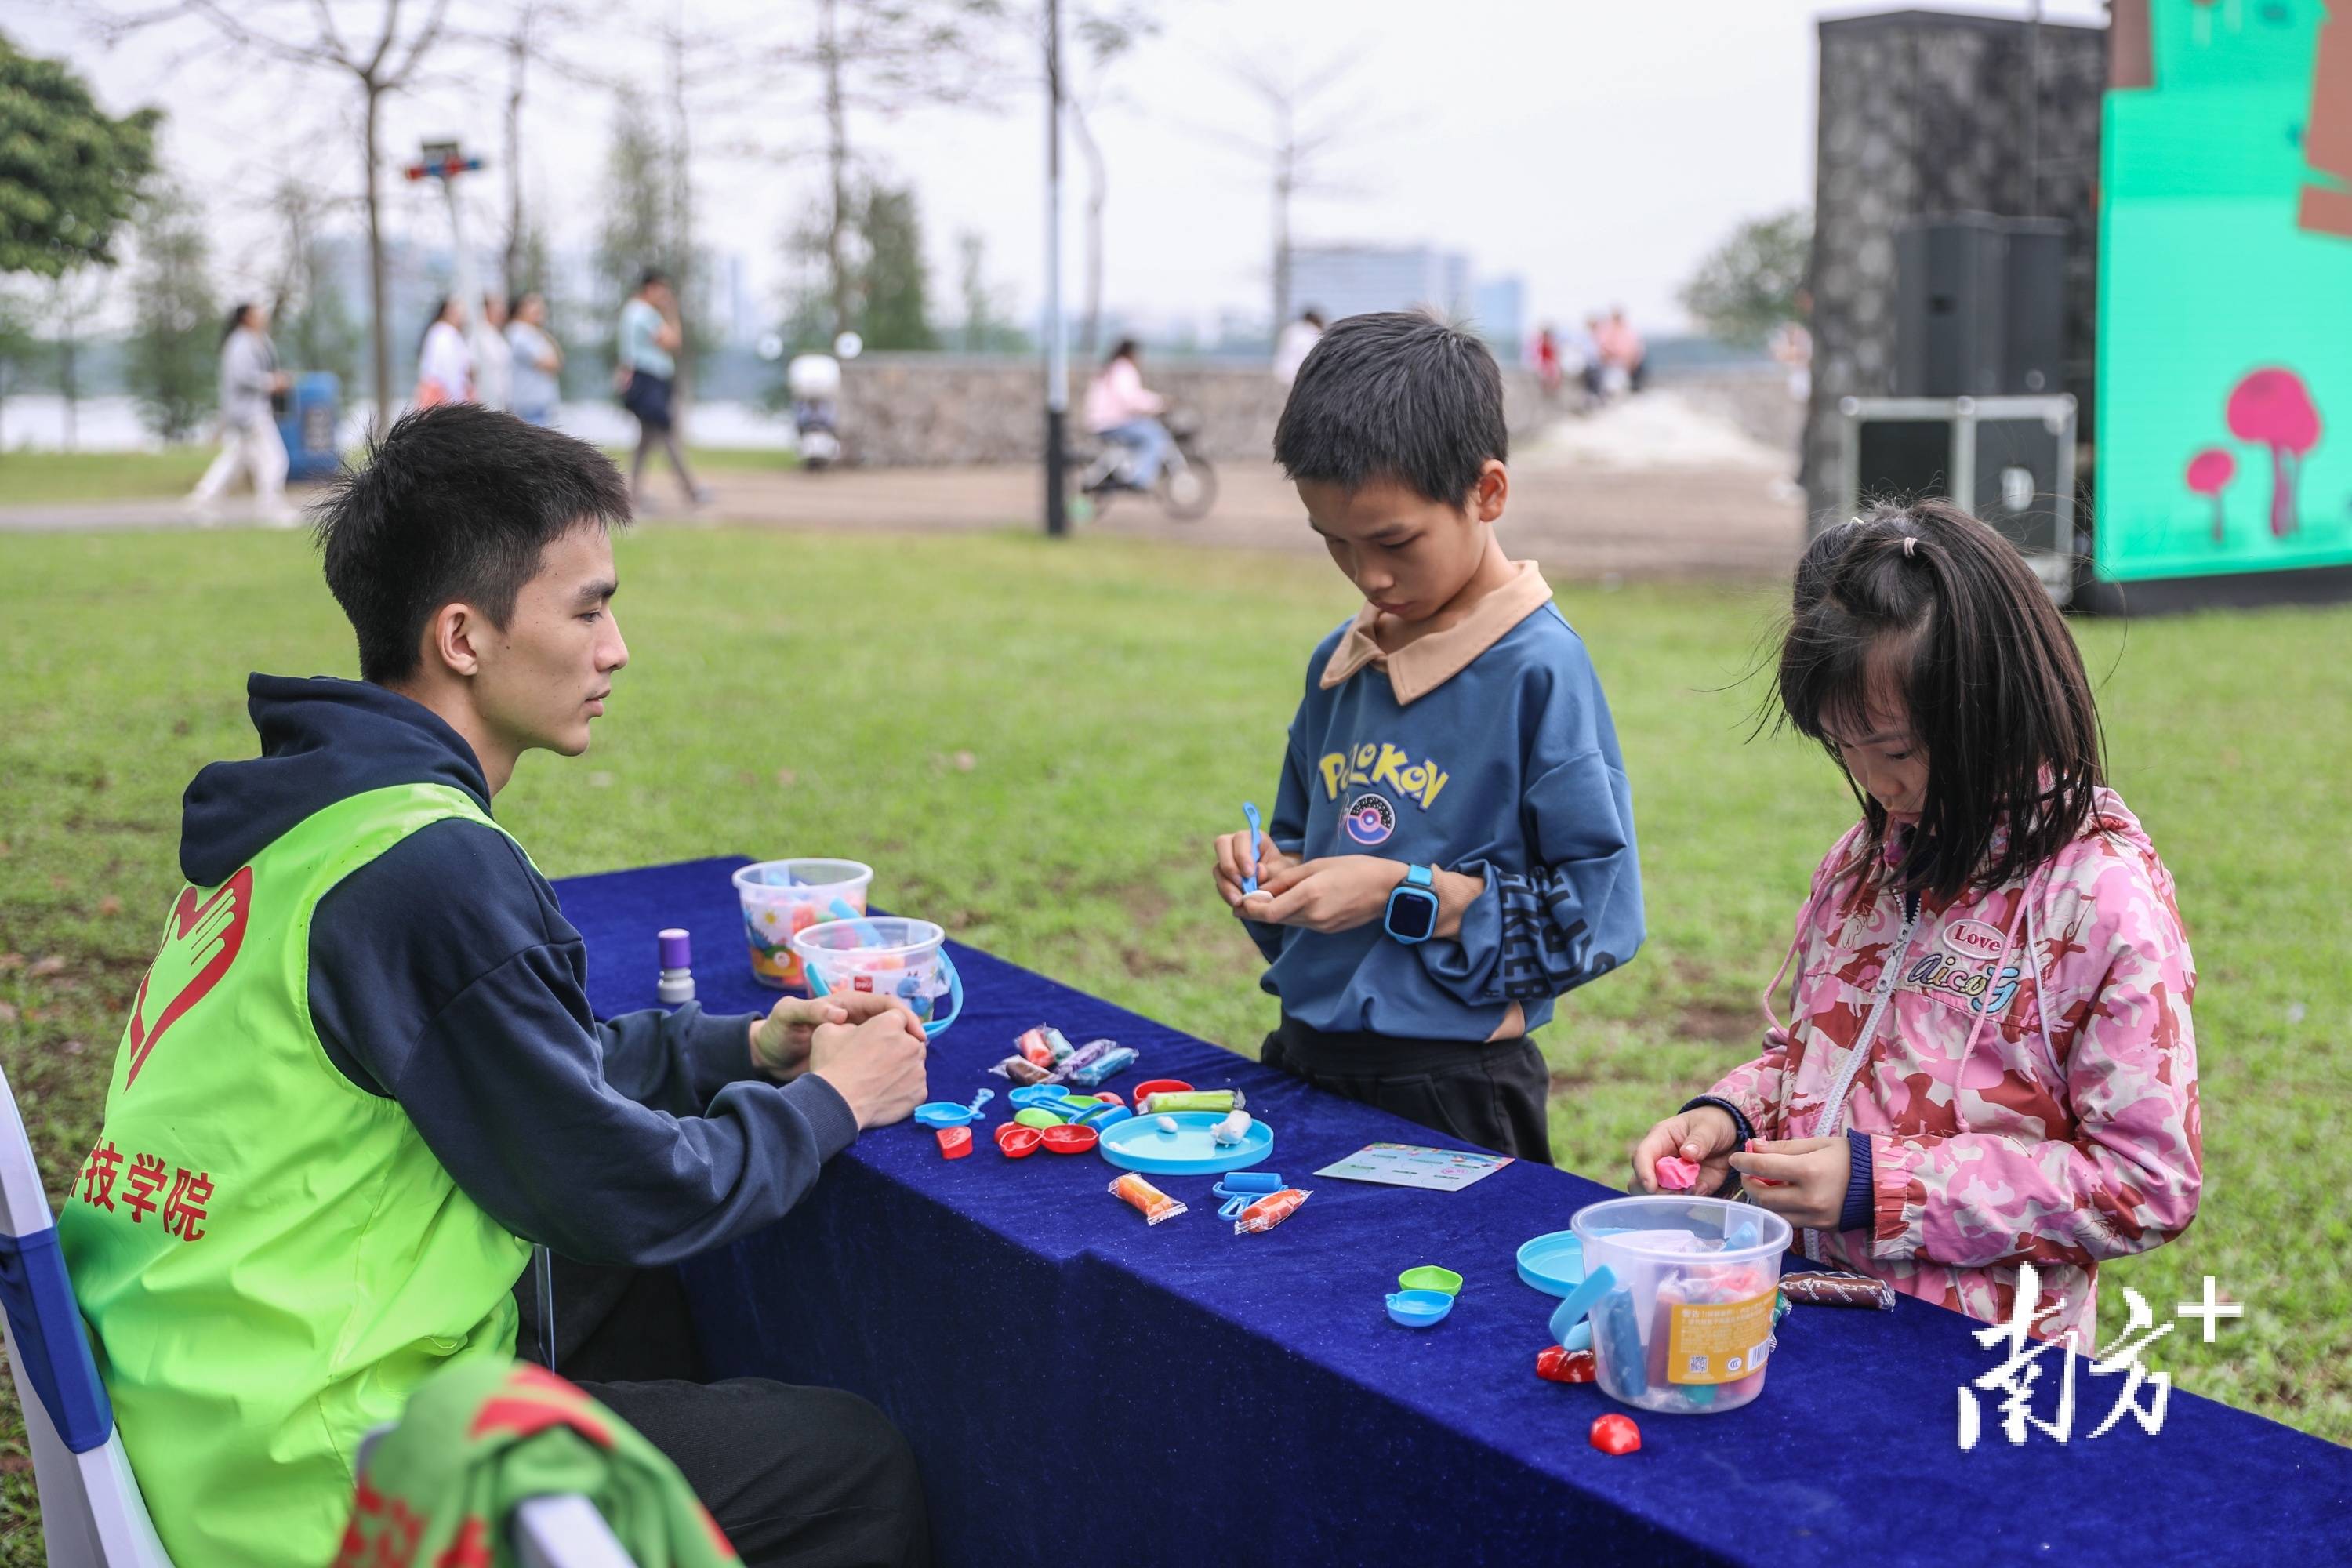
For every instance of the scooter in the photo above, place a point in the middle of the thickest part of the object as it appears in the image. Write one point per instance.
(1186, 486)
(815, 382)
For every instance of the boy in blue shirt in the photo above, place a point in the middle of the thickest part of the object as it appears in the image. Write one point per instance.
(1453, 844)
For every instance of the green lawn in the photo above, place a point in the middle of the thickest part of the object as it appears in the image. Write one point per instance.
(50, 478)
(1034, 745)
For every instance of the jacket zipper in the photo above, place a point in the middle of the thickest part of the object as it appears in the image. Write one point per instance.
(1861, 1052)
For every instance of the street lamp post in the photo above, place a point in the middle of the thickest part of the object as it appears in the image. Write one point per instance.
(1057, 347)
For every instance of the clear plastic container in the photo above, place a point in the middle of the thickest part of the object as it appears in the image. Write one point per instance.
(1686, 1325)
(888, 956)
(782, 898)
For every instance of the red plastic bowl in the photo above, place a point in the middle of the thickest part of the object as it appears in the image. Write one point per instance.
(1069, 1140)
(1018, 1142)
(1143, 1091)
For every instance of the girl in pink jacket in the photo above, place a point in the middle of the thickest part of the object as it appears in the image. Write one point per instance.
(1989, 1059)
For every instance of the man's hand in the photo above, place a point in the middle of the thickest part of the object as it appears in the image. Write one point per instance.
(1706, 1136)
(875, 1065)
(1336, 893)
(1811, 1175)
(1233, 864)
(780, 1042)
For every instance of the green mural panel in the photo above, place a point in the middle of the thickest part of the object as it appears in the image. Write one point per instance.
(2225, 327)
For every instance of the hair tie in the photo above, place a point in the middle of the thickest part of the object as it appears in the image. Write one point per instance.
(1910, 546)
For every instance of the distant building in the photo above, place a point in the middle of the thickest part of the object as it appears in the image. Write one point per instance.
(1349, 279)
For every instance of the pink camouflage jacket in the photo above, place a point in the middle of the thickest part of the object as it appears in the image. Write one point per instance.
(2027, 1085)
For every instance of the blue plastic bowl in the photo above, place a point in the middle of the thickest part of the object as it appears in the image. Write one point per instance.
(1419, 1309)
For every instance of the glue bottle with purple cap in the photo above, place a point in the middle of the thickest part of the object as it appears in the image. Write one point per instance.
(675, 986)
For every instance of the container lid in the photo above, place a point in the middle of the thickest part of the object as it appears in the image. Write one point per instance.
(1137, 1144)
(1553, 1263)
(676, 949)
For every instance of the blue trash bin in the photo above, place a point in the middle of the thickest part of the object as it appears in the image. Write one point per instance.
(314, 409)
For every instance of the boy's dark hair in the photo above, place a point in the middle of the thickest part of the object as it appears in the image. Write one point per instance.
(453, 503)
(649, 277)
(1926, 604)
(1394, 394)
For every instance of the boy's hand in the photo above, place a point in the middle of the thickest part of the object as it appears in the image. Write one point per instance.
(1336, 893)
(780, 1041)
(877, 1065)
(1233, 864)
(1810, 1176)
(1707, 1135)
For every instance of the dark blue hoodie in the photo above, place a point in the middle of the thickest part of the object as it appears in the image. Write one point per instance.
(638, 1141)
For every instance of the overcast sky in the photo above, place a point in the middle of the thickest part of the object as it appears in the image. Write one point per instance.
(1595, 150)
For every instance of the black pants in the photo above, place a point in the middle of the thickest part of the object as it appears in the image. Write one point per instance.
(1493, 1094)
(807, 1477)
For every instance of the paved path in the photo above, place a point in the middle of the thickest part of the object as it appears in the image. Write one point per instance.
(1729, 515)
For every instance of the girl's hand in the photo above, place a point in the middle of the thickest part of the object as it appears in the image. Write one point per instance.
(1707, 1135)
(1809, 1177)
(780, 1042)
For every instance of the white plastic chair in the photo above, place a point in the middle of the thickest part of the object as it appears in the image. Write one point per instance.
(91, 1512)
(561, 1531)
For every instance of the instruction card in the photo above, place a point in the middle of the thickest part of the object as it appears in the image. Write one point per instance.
(1410, 1165)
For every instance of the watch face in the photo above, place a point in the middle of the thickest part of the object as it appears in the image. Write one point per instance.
(1412, 915)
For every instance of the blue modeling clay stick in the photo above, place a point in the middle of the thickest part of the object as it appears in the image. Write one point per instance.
(1258, 833)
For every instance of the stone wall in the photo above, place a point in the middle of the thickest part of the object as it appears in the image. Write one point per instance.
(943, 410)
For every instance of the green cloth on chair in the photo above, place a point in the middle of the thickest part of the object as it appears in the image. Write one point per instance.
(478, 1441)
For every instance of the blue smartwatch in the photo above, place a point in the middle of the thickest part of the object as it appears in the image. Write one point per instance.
(1412, 914)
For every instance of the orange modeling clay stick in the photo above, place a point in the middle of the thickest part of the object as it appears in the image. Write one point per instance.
(1156, 1204)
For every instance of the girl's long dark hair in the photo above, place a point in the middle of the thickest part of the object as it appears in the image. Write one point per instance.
(440, 309)
(1924, 605)
(235, 320)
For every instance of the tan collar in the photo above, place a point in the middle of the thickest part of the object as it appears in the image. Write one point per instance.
(1426, 663)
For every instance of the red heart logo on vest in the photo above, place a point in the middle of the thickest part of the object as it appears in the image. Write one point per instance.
(199, 945)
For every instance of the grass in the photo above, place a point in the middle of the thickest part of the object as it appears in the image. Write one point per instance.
(53, 478)
(49, 479)
(1035, 743)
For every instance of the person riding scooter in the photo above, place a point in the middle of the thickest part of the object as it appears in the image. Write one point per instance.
(1119, 410)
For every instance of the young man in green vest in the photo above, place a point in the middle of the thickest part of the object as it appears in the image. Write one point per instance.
(362, 1078)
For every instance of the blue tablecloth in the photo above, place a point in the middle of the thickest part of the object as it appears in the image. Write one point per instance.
(1080, 1386)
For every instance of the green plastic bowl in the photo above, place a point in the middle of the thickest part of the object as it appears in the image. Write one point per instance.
(1429, 1277)
(1037, 1117)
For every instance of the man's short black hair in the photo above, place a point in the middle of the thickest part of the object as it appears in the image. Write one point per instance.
(1398, 395)
(649, 277)
(454, 503)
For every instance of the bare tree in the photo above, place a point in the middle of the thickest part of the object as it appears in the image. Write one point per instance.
(1105, 34)
(1309, 123)
(365, 41)
(884, 56)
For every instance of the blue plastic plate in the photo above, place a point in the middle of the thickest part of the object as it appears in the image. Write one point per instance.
(1137, 1144)
(1553, 1264)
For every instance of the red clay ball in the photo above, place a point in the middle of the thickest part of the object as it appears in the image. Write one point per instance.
(1615, 1434)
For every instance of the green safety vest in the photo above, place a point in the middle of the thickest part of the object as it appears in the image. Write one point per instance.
(269, 1258)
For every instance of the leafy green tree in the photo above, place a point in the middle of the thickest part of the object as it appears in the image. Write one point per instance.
(1749, 284)
(174, 335)
(893, 282)
(20, 351)
(70, 174)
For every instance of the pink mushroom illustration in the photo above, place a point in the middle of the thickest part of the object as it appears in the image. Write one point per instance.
(2210, 473)
(2271, 406)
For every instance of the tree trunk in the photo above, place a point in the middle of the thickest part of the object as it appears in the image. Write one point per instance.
(681, 234)
(1097, 189)
(838, 161)
(517, 56)
(379, 329)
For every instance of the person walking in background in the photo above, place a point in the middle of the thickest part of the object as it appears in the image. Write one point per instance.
(1622, 349)
(538, 360)
(1297, 338)
(249, 378)
(1592, 369)
(1119, 409)
(1548, 371)
(650, 336)
(445, 365)
(493, 360)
